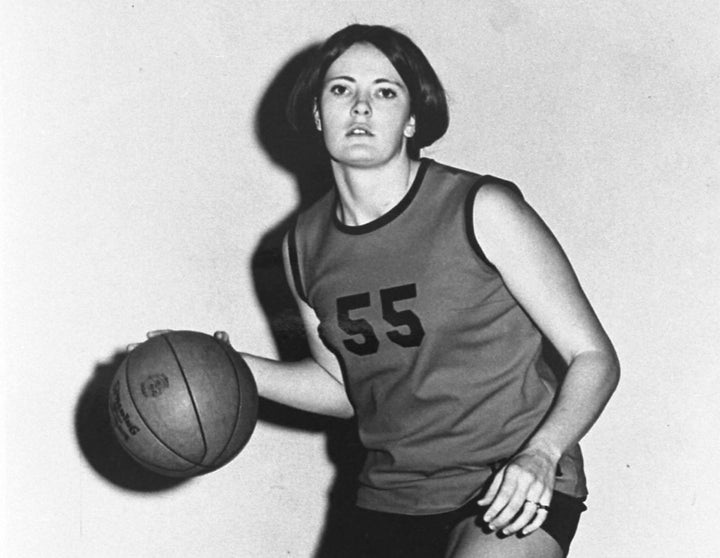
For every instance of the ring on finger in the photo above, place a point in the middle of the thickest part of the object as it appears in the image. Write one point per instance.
(538, 505)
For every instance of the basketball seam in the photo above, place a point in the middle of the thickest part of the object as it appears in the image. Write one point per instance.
(192, 398)
(152, 465)
(238, 407)
(147, 425)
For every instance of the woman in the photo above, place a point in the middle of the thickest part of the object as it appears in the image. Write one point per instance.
(426, 292)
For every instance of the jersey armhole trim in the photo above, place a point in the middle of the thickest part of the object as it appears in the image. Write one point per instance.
(470, 225)
(295, 263)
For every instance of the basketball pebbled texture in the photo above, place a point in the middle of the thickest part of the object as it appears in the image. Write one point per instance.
(183, 403)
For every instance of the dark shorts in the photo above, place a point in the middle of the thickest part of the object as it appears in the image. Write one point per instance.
(376, 534)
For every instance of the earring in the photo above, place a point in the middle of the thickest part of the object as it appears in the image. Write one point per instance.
(316, 116)
(410, 128)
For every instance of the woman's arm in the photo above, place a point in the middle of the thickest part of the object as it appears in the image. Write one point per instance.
(540, 277)
(314, 384)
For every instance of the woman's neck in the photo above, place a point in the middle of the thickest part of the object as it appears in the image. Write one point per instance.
(366, 194)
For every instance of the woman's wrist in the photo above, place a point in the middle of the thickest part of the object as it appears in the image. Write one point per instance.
(544, 447)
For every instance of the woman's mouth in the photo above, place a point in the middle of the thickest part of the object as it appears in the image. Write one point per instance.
(359, 131)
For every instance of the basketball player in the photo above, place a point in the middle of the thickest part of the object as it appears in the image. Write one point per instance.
(426, 292)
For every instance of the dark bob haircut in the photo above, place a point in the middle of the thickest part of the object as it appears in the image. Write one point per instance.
(427, 96)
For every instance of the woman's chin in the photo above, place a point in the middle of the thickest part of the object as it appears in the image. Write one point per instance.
(363, 156)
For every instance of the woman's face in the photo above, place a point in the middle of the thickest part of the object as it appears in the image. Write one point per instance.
(364, 109)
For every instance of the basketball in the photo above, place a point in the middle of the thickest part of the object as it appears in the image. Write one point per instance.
(183, 403)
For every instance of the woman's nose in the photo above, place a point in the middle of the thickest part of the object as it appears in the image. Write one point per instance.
(361, 107)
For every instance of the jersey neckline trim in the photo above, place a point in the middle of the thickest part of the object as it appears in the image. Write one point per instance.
(386, 218)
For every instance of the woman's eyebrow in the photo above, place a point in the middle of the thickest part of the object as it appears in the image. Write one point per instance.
(346, 78)
(391, 82)
(378, 80)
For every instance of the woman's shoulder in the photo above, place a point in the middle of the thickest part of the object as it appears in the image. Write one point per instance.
(498, 192)
(498, 203)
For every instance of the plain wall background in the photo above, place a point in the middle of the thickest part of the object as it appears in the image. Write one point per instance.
(135, 193)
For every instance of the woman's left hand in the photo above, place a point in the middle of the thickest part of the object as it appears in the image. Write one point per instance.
(520, 493)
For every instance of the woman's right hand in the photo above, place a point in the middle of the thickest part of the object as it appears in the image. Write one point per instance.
(219, 335)
(222, 336)
(150, 335)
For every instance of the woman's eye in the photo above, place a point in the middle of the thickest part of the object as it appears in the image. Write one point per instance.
(387, 93)
(338, 90)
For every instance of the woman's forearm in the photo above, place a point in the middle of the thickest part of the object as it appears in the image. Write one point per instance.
(590, 381)
(303, 385)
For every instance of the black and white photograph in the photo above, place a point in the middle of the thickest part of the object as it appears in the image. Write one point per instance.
(360, 279)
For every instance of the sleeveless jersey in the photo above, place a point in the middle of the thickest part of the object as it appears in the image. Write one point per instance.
(443, 367)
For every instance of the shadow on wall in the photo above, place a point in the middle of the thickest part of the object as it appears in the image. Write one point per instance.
(97, 440)
(306, 159)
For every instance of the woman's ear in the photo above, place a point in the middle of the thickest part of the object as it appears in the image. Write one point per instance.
(410, 127)
(316, 116)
